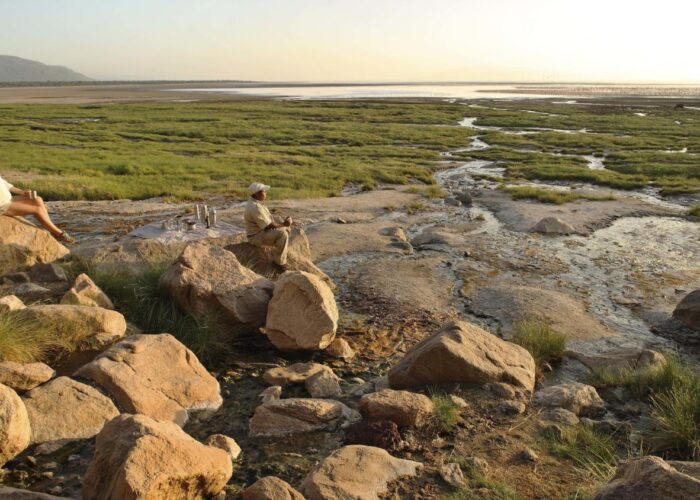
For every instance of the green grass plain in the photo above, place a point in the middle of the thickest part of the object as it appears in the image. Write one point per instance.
(315, 148)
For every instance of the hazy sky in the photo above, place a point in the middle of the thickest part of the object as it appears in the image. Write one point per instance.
(360, 40)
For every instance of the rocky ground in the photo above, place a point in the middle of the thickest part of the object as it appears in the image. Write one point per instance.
(606, 274)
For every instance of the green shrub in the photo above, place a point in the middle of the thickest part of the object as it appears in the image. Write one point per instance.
(25, 340)
(445, 411)
(537, 336)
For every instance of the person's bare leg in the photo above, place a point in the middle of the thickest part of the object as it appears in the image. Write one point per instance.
(24, 206)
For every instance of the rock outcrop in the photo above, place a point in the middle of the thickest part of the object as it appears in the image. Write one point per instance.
(24, 376)
(65, 410)
(261, 259)
(155, 375)
(578, 398)
(137, 457)
(271, 488)
(22, 245)
(553, 225)
(462, 352)
(355, 472)
(15, 431)
(688, 310)
(86, 293)
(649, 478)
(302, 313)
(80, 321)
(207, 280)
(406, 409)
(297, 415)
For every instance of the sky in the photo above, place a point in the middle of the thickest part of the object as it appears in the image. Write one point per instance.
(360, 40)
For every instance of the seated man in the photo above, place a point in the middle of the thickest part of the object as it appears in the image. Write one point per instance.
(261, 227)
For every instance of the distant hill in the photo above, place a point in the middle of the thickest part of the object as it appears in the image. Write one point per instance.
(16, 69)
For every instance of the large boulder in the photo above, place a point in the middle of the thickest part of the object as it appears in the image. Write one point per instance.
(262, 260)
(271, 488)
(688, 310)
(283, 417)
(462, 352)
(24, 376)
(137, 457)
(15, 431)
(155, 375)
(302, 313)
(22, 245)
(650, 478)
(207, 280)
(86, 293)
(578, 398)
(553, 225)
(355, 472)
(79, 322)
(65, 410)
(406, 409)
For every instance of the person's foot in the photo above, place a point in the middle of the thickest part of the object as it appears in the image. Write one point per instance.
(64, 237)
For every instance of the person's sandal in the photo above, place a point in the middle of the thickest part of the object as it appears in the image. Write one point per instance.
(64, 237)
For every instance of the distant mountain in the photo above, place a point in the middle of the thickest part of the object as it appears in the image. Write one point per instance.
(16, 69)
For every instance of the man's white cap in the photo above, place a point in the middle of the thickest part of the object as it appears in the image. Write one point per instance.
(256, 187)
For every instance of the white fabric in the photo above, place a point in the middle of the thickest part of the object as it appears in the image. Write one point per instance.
(5, 195)
(256, 187)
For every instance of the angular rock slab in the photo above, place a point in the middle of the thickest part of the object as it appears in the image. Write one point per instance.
(302, 313)
(553, 225)
(138, 457)
(65, 410)
(293, 374)
(15, 431)
(155, 375)
(81, 321)
(24, 376)
(86, 293)
(271, 488)
(208, 280)
(24, 245)
(688, 310)
(580, 399)
(462, 352)
(406, 409)
(649, 478)
(298, 415)
(355, 472)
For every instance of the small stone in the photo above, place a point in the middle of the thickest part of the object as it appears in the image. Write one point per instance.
(529, 455)
(562, 416)
(452, 474)
(510, 407)
(56, 490)
(271, 394)
(453, 202)
(324, 384)
(340, 220)
(476, 464)
(458, 402)
(225, 443)
(502, 390)
(340, 348)
(357, 380)
(30, 460)
(47, 474)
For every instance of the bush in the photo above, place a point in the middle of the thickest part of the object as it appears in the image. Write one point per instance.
(644, 383)
(25, 340)
(445, 411)
(545, 344)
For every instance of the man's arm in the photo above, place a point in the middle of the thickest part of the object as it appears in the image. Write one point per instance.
(20, 192)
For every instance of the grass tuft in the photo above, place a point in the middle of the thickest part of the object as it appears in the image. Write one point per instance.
(26, 340)
(477, 482)
(595, 454)
(544, 343)
(551, 196)
(445, 411)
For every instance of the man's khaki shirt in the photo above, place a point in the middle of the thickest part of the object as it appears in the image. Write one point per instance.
(257, 217)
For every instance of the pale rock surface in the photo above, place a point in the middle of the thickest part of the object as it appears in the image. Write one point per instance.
(340, 349)
(688, 310)
(271, 488)
(15, 430)
(46, 273)
(138, 457)
(261, 259)
(406, 409)
(302, 313)
(650, 478)
(23, 245)
(272, 393)
(621, 359)
(297, 415)
(324, 384)
(155, 375)
(578, 398)
(86, 293)
(24, 376)
(462, 352)
(553, 225)
(64, 410)
(562, 416)
(225, 443)
(296, 373)
(80, 320)
(355, 472)
(452, 474)
(11, 303)
(209, 280)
